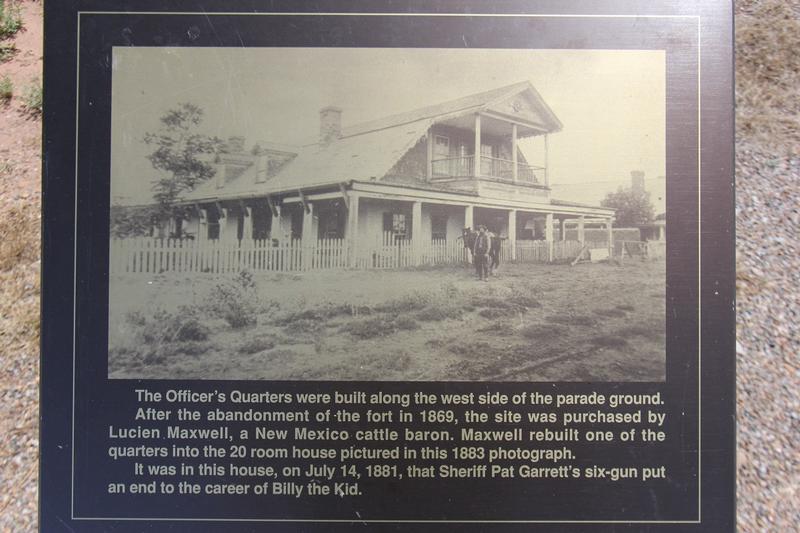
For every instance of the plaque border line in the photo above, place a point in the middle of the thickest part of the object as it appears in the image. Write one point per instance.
(397, 521)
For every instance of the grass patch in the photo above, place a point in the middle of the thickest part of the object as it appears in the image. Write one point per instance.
(303, 328)
(572, 320)
(608, 341)
(500, 312)
(10, 19)
(439, 311)
(650, 333)
(32, 98)
(6, 90)
(471, 350)
(7, 51)
(255, 345)
(378, 326)
(543, 332)
(500, 327)
(405, 304)
(610, 313)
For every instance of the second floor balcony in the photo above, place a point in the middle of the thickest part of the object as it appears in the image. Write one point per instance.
(488, 168)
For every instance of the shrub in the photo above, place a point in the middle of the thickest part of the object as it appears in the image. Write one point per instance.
(439, 311)
(32, 98)
(7, 51)
(234, 300)
(370, 328)
(379, 326)
(6, 89)
(302, 328)
(405, 304)
(10, 19)
(180, 326)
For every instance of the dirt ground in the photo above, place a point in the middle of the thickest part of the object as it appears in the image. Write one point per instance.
(590, 322)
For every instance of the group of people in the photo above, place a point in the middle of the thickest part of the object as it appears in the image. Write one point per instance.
(480, 253)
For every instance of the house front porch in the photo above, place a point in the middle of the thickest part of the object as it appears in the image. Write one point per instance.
(362, 225)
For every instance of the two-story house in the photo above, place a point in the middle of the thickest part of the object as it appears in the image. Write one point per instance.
(419, 177)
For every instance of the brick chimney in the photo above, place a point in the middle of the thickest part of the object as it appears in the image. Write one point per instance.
(637, 180)
(330, 124)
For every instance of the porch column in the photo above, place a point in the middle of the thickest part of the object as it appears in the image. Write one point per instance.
(247, 227)
(514, 168)
(610, 238)
(476, 163)
(202, 224)
(512, 232)
(416, 232)
(227, 226)
(309, 237)
(275, 228)
(581, 233)
(352, 230)
(468, 223)
(563, 229)
(468, 212)
(430, 155)
(548, 235)
(546, 164)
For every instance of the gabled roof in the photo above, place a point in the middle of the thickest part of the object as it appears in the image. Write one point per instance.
(367, 151)
(452, 108)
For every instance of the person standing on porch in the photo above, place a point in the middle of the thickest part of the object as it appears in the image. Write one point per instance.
(483, 243)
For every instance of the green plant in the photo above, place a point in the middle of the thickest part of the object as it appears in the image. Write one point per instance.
(6, 89)
(32, 98)
(235, 300)
(10, 19)
(7, 51)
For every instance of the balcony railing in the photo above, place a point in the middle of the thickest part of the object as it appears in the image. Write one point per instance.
(490, 167)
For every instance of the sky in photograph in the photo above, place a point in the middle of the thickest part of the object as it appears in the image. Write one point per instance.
(611, 102)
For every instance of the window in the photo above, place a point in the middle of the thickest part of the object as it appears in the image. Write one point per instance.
(331, 223)
(213, 224)
(262, 222)
(441, 147)
(439, 227)
(240, 225)
(395, 223)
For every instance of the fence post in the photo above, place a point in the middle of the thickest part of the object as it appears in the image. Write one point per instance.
(352, 231)
(512, 220)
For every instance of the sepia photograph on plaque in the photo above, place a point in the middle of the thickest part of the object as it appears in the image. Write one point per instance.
(387, 214)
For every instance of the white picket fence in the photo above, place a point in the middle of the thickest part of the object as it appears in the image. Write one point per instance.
(154, 256)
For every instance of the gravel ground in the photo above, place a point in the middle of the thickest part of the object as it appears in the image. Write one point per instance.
(768, 369)
(768, 174)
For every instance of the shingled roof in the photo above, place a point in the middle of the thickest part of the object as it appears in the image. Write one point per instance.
(366, 151)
